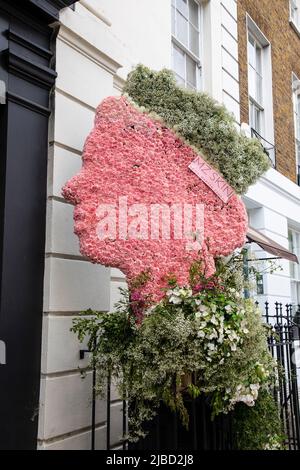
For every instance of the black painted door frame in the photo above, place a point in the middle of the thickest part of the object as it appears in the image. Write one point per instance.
(26, 71)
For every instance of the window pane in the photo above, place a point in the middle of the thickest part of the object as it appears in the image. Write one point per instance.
(257, 120)
(194, 13)
(294, 292)
(173, 21)
(194, 41)
(297, 114)
(179, 62)
(298, 151)
(179, 80)
(252, 82)
(258, 95)
(191, 72)
(295, 11)
(258, 59)
(255, 117)
(182, 29)
(251, 51)
(183, 7)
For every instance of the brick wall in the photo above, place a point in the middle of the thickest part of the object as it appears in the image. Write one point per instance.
(272, 18)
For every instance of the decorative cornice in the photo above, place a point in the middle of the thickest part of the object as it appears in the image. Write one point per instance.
(119, 83)
(29, 44)
(29, 104)
(51, 8)
(26, 69)
(95, 12)
(84, 47)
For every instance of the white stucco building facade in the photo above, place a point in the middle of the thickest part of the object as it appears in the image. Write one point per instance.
(97, 45)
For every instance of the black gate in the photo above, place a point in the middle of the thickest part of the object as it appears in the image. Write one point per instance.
(166, 432)
(284, 346)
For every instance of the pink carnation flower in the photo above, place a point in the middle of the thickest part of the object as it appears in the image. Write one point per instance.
(131, 154)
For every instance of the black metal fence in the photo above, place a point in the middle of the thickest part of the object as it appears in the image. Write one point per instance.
(166, 432)
(284, 346)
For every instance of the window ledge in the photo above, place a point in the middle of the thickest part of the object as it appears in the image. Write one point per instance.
(295, 27)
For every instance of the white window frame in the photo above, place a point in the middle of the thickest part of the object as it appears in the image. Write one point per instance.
(256, 104)
(296, 97)
(294, 267)
(176, 43)
(266, 103)
(295, 15)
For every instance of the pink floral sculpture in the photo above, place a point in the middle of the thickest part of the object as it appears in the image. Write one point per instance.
(129, 154)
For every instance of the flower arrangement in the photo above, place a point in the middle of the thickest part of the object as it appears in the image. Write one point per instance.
(205, 331)
(182, 327)
(131, 154)
(202, 122)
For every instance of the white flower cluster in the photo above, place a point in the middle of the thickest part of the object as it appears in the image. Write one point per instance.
(244, 393)
(219, 337)
(214, 332)
(178, 295)
(274, 443)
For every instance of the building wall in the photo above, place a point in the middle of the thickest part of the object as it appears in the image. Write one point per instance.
(97, 46)
(273, 202)
(229, 52)
(87, 59)
(91, 49)
(272, 18)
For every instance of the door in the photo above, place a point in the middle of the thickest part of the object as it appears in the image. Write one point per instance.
(25, 71)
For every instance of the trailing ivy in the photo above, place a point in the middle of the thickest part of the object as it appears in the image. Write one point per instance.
(202, 122)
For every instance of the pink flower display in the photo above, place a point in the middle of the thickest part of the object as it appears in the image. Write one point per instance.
(131, 155)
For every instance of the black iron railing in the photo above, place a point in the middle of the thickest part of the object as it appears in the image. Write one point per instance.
(166, 432)
(283, 346)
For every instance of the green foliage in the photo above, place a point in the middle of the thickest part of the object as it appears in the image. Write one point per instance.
(259, 427)
(202, 122)
(211, 334)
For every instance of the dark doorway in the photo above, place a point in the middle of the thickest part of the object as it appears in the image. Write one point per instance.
(26, 70)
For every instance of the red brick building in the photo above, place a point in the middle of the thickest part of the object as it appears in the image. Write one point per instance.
(277, 41)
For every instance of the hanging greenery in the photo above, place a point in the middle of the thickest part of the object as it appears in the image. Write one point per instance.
(202, 122)
(206, 331)
(183, 327)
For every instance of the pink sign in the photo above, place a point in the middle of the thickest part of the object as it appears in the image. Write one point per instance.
(212, 178)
